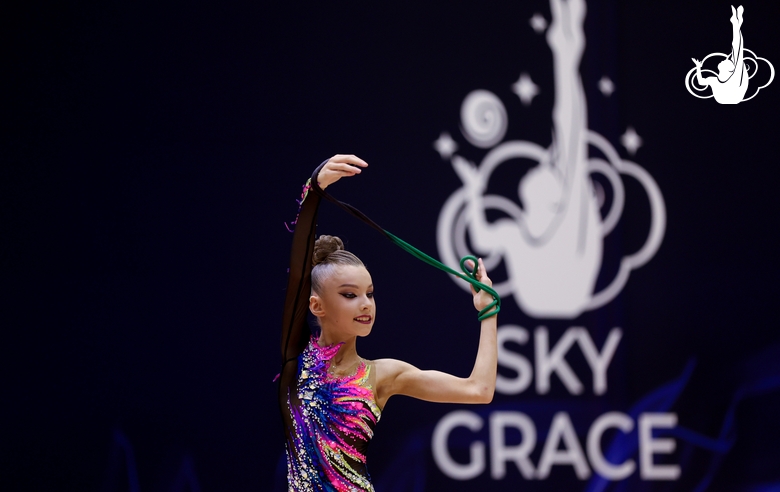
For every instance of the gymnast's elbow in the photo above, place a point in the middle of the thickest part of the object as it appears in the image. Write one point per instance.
(487, 394)
(482, 393)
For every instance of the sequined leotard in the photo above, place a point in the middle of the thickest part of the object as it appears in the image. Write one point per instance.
(333, 420)
(329, 420)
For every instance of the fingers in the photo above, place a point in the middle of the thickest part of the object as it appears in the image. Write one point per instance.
(340, 166)
(482, 274)
(345, 165)
(469, 264)
(349, 159)
(345, 169)
(481, 298)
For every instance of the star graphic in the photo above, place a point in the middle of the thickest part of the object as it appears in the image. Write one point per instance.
(606, 86)
(538, 23)
(445, 145)
(525, 89)
(631, 141)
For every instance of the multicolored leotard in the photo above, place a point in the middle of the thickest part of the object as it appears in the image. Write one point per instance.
(328, 419)
(333, 421)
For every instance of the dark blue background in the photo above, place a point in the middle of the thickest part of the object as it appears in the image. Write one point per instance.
(151, 153)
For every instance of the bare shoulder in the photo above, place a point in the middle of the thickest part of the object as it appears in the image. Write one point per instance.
(388, 369)
(387, 372)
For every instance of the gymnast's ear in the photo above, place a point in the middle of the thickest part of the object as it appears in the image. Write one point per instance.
(315, 306)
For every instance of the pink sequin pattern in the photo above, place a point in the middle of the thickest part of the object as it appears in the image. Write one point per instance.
(333, 422)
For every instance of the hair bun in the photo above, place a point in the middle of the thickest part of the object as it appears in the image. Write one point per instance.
(324, 247)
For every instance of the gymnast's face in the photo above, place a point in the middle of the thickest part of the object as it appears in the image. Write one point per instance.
(346, 305)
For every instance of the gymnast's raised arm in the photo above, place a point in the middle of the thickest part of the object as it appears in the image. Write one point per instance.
(295, 333)
(395, 377)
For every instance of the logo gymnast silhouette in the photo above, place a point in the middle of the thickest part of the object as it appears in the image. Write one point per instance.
(552, 245)
(734, 70)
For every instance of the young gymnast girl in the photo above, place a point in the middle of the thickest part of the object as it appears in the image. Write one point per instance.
(330, 397)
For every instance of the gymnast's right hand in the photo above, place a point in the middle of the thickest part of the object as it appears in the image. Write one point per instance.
(339, 166)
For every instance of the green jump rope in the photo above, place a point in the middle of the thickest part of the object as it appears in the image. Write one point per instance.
(469, 275)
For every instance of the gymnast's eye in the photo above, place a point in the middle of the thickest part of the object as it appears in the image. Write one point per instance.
(348, 295)
(370, 295)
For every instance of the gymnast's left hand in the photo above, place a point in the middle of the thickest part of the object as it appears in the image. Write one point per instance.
(481, 299)
(340, 166)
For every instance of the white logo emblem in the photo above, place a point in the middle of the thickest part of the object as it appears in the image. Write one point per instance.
(552, 245)
(735, 70)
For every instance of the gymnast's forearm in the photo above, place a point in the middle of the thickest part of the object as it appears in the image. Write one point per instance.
(299, 277)
(483, 375)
